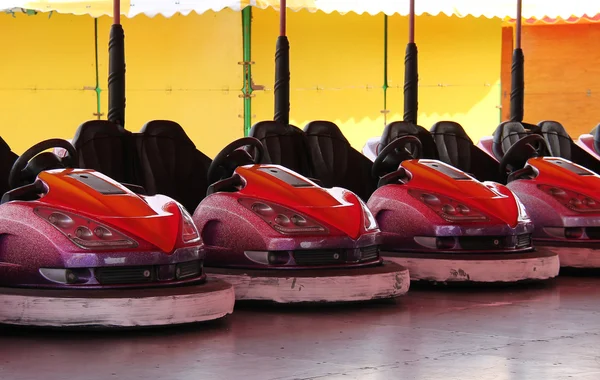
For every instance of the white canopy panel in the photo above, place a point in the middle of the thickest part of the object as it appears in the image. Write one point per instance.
(504, 9)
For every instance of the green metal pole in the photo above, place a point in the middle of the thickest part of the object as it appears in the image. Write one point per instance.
(98, 90)
(247, 89)
(385, 67)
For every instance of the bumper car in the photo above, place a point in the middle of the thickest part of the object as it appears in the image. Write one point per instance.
(81, 250)
(560, 144)
(272, 233)
(560, 196)
(439, 222)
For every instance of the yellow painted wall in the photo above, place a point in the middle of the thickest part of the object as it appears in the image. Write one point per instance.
(183, 69)
(186, 69)
(42, 79)
(462, 54)
(336, 69)
(342, 56)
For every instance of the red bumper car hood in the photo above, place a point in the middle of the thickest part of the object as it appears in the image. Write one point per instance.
(96, 196)
(336, 208)
(555, 171)
(494, 200)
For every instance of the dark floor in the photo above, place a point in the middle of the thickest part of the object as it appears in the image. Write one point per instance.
(532, 332)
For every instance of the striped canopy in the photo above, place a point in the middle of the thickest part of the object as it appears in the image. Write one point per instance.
(504, 9)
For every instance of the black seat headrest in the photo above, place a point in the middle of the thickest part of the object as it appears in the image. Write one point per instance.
(325, 128)
(550, 126)
(453, 144)
(284, 145)
(108, 148)
(171, 164)
(450, 128)
(557, 138)
(95, 129)
(397, 129)
(167, 128)
(267, 128)
(335, 163)
(507, 133)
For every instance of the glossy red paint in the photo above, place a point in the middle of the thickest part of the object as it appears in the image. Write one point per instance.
(127, 212)
(551, 173)
(494, 200)
(337, 208)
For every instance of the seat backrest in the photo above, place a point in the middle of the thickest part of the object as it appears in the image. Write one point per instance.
(397, 129)
(171, 164)
(457, 149)
(507, 133)
(561, 145)
(558, 139)
(285, 145)
(7, 159)
(453, 144)
(108, 148)
(335, 162)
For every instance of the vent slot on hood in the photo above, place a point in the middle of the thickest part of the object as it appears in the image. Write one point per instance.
(98, 184)
(286, 177)
(569, 166)
(445, 169)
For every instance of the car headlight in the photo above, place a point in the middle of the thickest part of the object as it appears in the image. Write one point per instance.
(282, 219)
(572, 200)
(369, 220)
(269, 258)
(448, 208)
(523, 215)
(66, 276)
(84, 232)
(189, 232)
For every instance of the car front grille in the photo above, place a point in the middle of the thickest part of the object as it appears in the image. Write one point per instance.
(491, 243)
(125, 275)
(148, 274)
(523, 240)
(188, 269)
(336, 256)
(482, 242)
(370, 253)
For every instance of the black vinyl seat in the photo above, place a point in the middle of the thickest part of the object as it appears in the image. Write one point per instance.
(561, 145)
(171, 164)
(507, 133)
(285, 145)
(558, 139)
(7, 159)
(397, 129)
(335, 162)
(456, 148)
(108, 148)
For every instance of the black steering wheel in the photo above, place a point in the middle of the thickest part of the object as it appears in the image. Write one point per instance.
(220, 164)
(403, 148)
(517, 155)
(23, 172)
